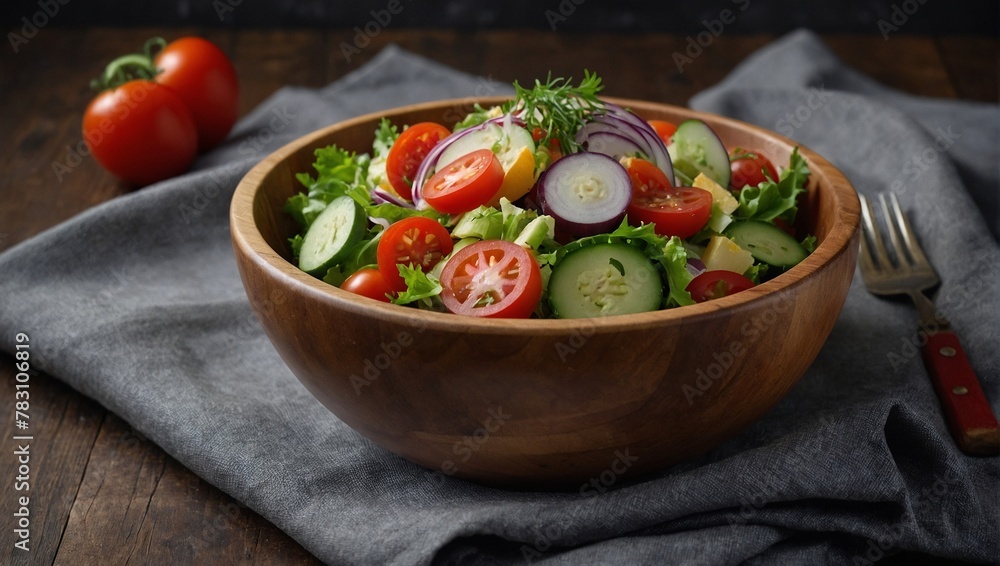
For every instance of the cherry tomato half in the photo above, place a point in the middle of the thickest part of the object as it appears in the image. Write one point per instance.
(409, 151)
(492, 278)
(717, 283)
(748, 168)
(142, 132)
(418, 241)
(464, 184)
(368, 282)
(204, 78)
(676, 211)
(664, 129)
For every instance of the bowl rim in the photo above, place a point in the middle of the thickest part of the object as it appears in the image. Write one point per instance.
(248, 240)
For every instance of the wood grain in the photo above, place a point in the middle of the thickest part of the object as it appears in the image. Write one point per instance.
(55, 68)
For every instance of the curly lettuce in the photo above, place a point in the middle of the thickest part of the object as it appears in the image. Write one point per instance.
(775, 199)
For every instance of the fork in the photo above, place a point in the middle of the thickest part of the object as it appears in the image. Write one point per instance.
(908, 272)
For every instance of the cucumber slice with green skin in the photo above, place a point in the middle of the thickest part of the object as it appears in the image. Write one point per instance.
(333, 234)
(695, 148)
(505, 140)
(604, 279)
(766, 242)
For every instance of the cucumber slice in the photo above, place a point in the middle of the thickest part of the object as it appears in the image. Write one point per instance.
(504, 140)
(604, 279)
(766, 242)
(331, 236)
(697, 149)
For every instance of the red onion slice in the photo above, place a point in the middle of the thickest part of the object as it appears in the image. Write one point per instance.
(586, 193)
(429, 164)
(381, 196)
(614, 146)
(658, 150)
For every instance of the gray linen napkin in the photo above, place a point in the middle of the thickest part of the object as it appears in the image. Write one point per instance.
(137, 303)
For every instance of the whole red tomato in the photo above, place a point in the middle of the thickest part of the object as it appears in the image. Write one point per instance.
(204, 78)
(142, 132)
(154, 114)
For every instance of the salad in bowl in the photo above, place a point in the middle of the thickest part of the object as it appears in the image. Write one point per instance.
(554, 204)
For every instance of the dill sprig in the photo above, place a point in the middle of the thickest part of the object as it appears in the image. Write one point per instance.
(557, 107)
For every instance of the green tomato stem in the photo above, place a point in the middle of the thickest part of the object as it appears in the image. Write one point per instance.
(131, 67)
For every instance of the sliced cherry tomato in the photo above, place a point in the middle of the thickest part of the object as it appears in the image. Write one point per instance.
(141, 132)
(204, 78)
(664, 129)
(748, 168)
(418, 241)
(676, 211)
(717, 283)
(409, 151)
(368, 282)
(492, 278)
(464, 184)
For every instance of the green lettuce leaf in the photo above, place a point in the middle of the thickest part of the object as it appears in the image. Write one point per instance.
(296, 243)
(385, 136)
(394, 213)
(757, 273)
(483, 223)
(674, 261)
(421, 288)
(515, 219)
(339, 172)
(809, 243)
(770, 199)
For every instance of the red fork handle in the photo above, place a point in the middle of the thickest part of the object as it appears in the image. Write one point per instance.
(966, 408)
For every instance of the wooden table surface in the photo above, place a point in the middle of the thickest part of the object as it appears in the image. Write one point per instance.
(100, 491)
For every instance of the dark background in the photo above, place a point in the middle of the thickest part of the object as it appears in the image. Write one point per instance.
(937, 17)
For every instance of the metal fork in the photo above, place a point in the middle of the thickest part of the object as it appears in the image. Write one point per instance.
(906, 271)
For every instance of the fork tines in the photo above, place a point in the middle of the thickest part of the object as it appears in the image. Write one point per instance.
(905, 248)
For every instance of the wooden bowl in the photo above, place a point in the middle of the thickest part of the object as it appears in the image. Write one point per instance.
(563, 404)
